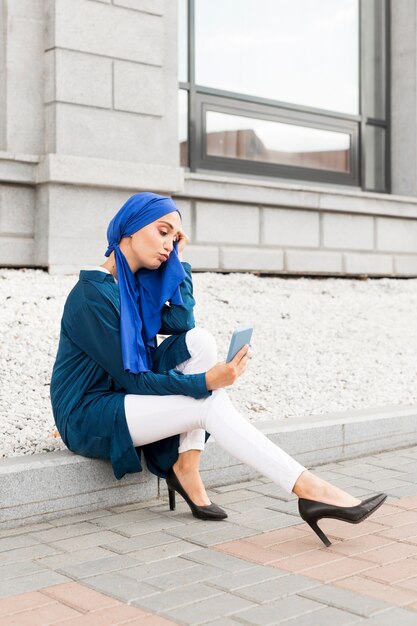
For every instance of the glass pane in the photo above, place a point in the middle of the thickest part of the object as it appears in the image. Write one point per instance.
(252, 139)
(183, 41)
(183, 126)
(374, 147)
(373, 58)
(298, 51)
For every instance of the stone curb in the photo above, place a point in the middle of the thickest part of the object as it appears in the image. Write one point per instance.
(44, 486)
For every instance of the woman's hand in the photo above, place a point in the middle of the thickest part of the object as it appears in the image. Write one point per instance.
(224, 374)
(182, 239)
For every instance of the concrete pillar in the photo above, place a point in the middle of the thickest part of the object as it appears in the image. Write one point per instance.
(404, 97)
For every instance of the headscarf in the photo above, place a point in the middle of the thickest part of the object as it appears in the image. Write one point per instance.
(143, 294)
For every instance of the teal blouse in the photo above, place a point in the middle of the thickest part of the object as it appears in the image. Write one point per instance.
(88, 383)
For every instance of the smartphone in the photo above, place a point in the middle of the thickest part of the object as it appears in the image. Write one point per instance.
(239, 338)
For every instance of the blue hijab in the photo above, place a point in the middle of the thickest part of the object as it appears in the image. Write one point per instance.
(143, 294)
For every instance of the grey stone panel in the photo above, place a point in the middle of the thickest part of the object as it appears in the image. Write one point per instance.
(396, 235)
(374, 264)
(116, 135)
(148, 6)
(217, 223)
(91, 27)
(17, 205)
(17, 251)
(24, 97)
(202, 257)
(312, 261)
(289, 227)
(251, 259)
(140, 88)
(405, 265)
(355, 232)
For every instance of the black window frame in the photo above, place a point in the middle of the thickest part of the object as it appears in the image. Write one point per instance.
(202, 99)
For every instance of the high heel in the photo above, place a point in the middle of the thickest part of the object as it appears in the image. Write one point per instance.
(207, 512)
(312, 511)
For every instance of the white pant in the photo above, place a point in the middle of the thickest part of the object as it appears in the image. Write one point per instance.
(151, 418)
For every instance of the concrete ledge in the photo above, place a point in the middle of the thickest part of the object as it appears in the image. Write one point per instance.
(45, 486)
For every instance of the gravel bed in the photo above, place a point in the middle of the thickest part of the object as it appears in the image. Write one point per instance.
(319, 346)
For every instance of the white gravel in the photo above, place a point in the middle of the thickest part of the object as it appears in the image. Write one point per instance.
(319, 346)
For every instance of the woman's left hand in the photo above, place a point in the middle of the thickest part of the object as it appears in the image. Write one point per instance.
(182, 239)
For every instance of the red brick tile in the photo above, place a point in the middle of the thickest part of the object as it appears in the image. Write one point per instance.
(110, 616)
(388, 554)
(23, 602)
(400, 532)
(306, 560)
(410, 502)
(295, 547)
(342, 530)
(151, 620)
(47, 614)
(359, 545)
(400, 519)
(384, 510)
(79, 597)
(248, 551)
(393, 572)
(366, 586)
(337, 569)
(410, 583)
(278, 536)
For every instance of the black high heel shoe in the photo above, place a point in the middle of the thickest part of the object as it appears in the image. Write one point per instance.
(207, 512)
(312, 511)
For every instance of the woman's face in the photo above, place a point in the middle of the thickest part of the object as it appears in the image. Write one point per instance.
(152, 244)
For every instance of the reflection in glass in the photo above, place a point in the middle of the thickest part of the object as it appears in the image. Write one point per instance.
(374, 146)
(183, 126)
(183, 41)
(297, 51)
(373, 58)
(239, 137)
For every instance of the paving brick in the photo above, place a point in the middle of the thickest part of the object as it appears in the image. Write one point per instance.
(250, 552)
(301, 562)
(100, 566)
(65, 559)
(48, 614)
(405, 532)
(188, 576)
(19, 541)
(224, 562)
(146, 571)
(65, 532)
(337, 569)
(126, 517)
(251, 576)
(408, 503)
(78, 597)
(110, 616)
(91, 516)
(267, 591)
(391, 553)
(360, 546)
(21, 568)
(280, 536)
(89, 540)
(365, 586)
(120, 586)
(23, 530)
(164, 551)
(140, 541)
(31, 583)
(163, 601)
(345, 600)
(410, 583)
(25, 554)
(284, 608)
(325, 617)
(223, 533)
(23, 602)
(148, 526)
(215, 607)
(393, 572)
(402, 617)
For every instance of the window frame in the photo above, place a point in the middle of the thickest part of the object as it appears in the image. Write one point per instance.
(201, 99)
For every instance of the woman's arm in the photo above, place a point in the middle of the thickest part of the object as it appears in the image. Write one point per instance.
(176, 318)
(95, 329)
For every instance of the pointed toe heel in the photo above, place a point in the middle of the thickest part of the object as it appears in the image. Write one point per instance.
(207, 512)
(312, 511)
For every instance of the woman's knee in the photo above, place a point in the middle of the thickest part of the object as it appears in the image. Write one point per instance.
(201, 342)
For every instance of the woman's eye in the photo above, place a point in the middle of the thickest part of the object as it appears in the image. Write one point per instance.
(163, 233)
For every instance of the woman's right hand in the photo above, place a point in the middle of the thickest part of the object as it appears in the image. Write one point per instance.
(225, 374)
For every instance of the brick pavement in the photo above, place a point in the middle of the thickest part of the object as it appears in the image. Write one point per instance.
(143, 564)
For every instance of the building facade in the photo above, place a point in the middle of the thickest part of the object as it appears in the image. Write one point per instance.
(286, 132)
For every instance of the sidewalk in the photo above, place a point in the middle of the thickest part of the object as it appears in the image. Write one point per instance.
(143, 564)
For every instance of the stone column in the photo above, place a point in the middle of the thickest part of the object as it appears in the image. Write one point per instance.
(404, 97)
(110, 120)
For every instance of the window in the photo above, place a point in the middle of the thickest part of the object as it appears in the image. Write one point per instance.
(285, 88)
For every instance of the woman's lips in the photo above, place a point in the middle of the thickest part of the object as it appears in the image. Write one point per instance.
(164, 256)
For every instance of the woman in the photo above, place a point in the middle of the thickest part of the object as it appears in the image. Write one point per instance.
(115, 393)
